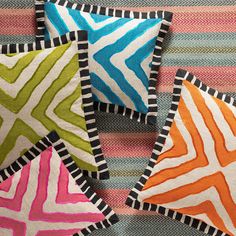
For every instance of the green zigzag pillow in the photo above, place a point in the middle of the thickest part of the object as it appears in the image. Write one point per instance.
(46, 86)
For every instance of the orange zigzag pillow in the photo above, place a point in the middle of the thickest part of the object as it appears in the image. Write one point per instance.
(191, 176)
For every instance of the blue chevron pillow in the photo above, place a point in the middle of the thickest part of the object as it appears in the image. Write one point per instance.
(125, 52)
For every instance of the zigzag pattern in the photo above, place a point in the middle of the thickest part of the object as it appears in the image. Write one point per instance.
(42, 198)
(193, 173)
(42, 91)
(115, 38)
(115, 44)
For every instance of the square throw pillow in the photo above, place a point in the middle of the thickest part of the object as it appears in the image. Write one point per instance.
(44, 193)
(46, 86)
(124, 52)
(191, 175)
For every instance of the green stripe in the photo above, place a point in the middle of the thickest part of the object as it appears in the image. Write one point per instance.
(18, 129)
(39, 111)
(63, 109)
(84, 165)
(12, 74)
(16, 104)
(11, 55)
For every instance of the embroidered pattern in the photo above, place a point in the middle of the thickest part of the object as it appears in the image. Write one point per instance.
(44, 88)
(124, 55)
(192, 166)
(44, 193)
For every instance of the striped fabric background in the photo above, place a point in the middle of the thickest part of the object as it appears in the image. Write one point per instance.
(203, 41)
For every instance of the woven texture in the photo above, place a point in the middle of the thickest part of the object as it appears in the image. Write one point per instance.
(202, 40)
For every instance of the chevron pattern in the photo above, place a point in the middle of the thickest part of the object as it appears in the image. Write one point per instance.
(44, 90)
(126, 75)
(192, 173)
(42, 197)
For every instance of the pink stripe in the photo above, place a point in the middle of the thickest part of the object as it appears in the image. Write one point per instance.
(131, 211)
(199, 19)
(18, 227)
(116, 198)
(17, 31)
(204, 18)
(220, 78)
(123, 145)
(58, 232)
(36, 212)
(15, 203)
(15, 21)
(194, 28)
(6, 185)
(16, 12)
(63, 196)
(186, 19)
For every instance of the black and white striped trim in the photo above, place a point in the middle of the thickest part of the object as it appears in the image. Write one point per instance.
(53, 140)
(86, 86)
(106, 11)
(150, 117)
(81, 38)
(133, 199)
(40, 27)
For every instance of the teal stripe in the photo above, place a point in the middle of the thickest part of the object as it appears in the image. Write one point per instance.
(101, 86)
(134, 62)
(99, 18)
(56, 19)
(114, 72)
(95, 35)
(47, 34)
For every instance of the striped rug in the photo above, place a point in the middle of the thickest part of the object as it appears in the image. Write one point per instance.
(203, 41)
